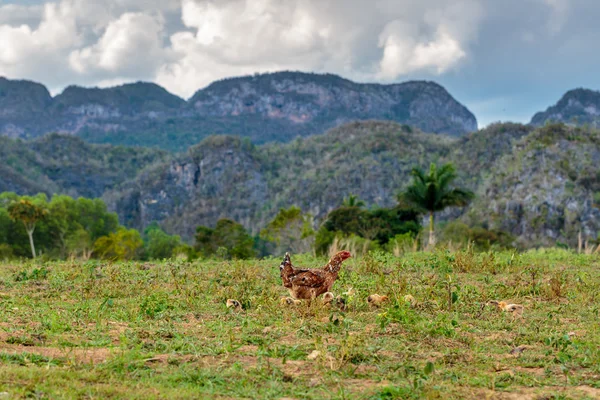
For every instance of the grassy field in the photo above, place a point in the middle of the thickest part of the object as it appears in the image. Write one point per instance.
(162, 330)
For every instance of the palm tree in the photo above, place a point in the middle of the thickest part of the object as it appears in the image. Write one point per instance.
(353, 201)
(433, 192)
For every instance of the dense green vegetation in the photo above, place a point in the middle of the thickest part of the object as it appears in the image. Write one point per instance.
(536, 185)
(64, 227)
(67, 165)
(155, 330)
(362, 230)
(82, 228)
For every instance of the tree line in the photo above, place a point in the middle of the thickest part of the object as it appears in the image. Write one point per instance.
(64, 227)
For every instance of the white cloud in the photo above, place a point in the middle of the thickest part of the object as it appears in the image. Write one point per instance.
(184, 45)
(242, 37)
(56, 31)
(386, 40)
(84, 41)
(130, 46)
(402, 54)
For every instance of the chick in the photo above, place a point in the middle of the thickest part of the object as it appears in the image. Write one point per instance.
(377, 300)
(330, 299)
(410, 300)
(231, 303)
(288, 301)
(516, 310)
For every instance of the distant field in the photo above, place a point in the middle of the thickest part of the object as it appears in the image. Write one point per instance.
(162, 330)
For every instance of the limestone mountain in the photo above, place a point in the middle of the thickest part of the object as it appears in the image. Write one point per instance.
(22, 105)
(538, 184)
(547, 190)
(576, 107)
(228, 177)
(225, 176)
(269, 107)
(318, 102)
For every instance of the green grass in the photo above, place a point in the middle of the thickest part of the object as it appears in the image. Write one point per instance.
(162, 330)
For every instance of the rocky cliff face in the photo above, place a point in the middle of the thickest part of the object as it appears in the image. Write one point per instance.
(22, 104)
(330, 100)
(547, 190)
(269, 107)
(541, 185)
(228, 177)
(576, 107)
(219, 179)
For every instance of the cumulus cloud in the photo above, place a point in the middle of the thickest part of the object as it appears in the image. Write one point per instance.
(130, 46)
(381, 41)
(56, 31)
(401, 56)
(186, 44)
(83, 41)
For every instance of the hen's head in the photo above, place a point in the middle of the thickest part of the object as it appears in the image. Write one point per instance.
(342, 255)
(286, 261)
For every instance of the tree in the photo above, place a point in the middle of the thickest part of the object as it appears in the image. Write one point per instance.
(29, 214)
(94, 217)
(229, 239)
(159, 244)
(379, 225)
(79, 244)
(121, 245)
(433, 192)
(353, 201)
(290, 230)
(68, 219)
(5, 225)
(62, 222)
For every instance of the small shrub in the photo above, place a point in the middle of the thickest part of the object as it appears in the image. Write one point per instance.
(154, 306)
(557, 286)
(6, 252)
(37, 274)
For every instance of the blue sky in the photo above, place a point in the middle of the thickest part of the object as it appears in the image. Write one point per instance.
(505, 60)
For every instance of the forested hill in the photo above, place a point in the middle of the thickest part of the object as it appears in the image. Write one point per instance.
(67, 165)
(576, 107)
(225, 176)
(536, 184)
(269, 107)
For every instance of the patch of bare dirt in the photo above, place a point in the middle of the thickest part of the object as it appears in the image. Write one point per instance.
(538, 371)
(364, 384)
(247, 348)
(88, 356)
(288, 339)
(543, 393)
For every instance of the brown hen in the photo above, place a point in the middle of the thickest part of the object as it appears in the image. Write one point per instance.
(311, 283)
